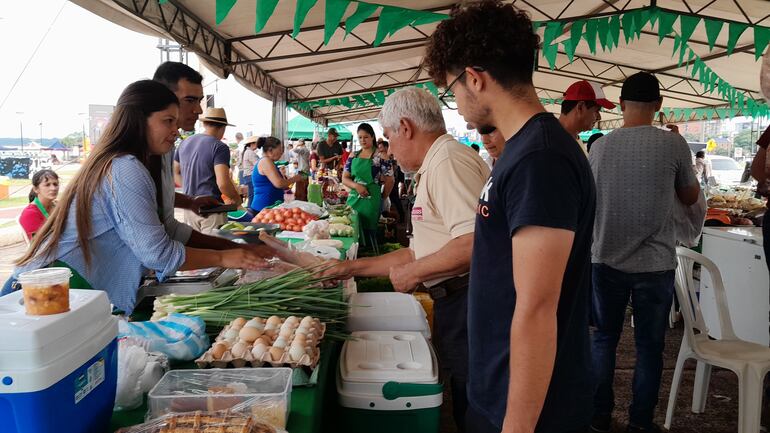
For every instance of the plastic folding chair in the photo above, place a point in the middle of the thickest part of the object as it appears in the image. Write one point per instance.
(749, 361)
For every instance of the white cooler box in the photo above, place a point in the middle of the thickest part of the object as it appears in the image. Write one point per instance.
(388, 382)
(385, 311)
(58, 372)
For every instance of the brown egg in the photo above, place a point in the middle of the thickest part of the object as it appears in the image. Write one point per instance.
(248, 334)
(276, 353)
(262, 340)
(218, 349)
(300, 338)
(239, 322)
(274, 321)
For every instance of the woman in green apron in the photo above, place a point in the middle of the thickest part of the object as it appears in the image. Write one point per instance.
(366, 173)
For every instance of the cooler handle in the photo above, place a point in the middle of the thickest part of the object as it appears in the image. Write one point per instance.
(394, 390)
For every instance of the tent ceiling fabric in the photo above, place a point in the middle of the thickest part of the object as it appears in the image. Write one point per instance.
(351, 65)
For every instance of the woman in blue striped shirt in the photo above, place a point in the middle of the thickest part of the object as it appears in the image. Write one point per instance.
(106, 228)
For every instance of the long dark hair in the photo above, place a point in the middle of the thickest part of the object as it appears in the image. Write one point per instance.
(40, 177)
(369, 130)
(125, 134)
(268, 144)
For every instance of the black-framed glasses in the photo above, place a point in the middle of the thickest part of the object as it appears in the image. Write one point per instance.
(447, 93)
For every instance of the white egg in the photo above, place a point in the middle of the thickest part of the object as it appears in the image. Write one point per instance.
(259, 350)
(280, 342)
(292, 319)
(254, 323)
(296, 352)
(307, 321)
(239, 350)
(286, 328)
(270, 327)
(302, 330)
(231, 334)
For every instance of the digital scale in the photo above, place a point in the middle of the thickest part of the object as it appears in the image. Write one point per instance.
(187, 282)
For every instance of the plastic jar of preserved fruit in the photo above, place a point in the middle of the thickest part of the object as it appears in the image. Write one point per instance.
(46, 291)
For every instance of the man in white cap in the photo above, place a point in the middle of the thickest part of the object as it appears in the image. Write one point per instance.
(202, 167)
(580, 107)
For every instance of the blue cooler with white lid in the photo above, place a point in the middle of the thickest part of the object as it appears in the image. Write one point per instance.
(58, 372)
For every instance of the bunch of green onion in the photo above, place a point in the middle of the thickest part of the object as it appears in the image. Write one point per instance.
(297, 293)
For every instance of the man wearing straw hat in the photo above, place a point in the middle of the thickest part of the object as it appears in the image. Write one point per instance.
(202, 167)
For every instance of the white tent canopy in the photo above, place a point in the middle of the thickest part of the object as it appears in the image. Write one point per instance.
(304, 69)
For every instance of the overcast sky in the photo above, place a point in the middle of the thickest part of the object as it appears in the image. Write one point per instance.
(85, 60)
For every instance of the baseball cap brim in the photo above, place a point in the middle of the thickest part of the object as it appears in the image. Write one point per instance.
(605, 104)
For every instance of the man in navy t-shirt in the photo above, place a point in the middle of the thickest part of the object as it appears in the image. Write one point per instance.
(530, 270)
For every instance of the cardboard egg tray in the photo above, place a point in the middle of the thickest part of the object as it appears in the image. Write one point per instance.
(228, 360)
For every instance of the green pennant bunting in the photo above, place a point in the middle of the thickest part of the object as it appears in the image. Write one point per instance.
(690, 56)
(713, 27)
(550, 52)
(682, 50)
(678, 113)
(569, 49)
(265, 9)
(761, 39)
(652, 15)
(346, 102)
(665, 24)
(687, 113)
(370, 98)
(223, 8)
(735, 31)
(423, 17)
(335, 9)
(359, 100)
(628, 21)
(590, 35)
(677, 42)
(713, 81)
(380, 98)
(687, 25)
(432, 88)
(363, 11)
(303, 7)
(575, 33)
(615, 30)
(553, 30)
(603, 30)
(391, 20)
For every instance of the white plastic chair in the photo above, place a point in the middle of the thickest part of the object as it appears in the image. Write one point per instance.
(749, 361)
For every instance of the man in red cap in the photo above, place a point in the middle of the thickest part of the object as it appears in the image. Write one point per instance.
(580, 107)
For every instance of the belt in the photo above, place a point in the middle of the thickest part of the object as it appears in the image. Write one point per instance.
(448, 287)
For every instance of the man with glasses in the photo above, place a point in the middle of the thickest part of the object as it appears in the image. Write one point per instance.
(531, 266)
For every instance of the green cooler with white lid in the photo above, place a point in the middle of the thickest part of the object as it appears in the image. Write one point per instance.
(387, 382)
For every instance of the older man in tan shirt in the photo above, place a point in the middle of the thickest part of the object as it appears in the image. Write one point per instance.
(449, 178)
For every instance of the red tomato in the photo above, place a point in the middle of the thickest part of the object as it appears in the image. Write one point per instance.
(284, 227)
(296, 211)
(279, 218)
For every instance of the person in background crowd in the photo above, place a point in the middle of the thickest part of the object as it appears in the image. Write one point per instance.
(761, 172)
(366, 174)
(703, 168)
(269, 183)
(235, 155)
(345, 153)
(494, 143)
(395, 195)
(581, 107)
(202, 167)
(592, 139)
(185, 82)
(330, 151)
(302, 155)
(248, 161)
(530, 271)
(383, 149)
(45, 189)
(315, 161)
(107, 229)
(450, 177)
(639, 170)
(475, 147)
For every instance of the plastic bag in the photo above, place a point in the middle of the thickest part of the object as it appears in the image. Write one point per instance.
(688, 221)
(316, 229)
(180, 337)
(132, 361)
(304, 205)
(322, 251)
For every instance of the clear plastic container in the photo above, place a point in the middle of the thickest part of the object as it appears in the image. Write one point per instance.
(263, 392)
(46, 291)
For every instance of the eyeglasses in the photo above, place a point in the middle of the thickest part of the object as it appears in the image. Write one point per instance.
(446, 94)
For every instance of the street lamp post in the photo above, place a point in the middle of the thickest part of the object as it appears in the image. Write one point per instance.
(21, 130)
(83, 125)
(41, 134)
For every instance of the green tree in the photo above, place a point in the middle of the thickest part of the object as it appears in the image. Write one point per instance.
(73, 139)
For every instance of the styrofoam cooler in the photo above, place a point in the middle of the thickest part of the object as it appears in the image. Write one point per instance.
(387, 311)
(387, 381)
(58, 372)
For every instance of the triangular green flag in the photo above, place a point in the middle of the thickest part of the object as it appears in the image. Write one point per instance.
(665, 24)
(761, 39)
(615, 30)
(359, 100)
(687, 25)
(682, 49)
(223, 8)
(335, 9)
(690, 56)
(641, 21)
(431, 88)
(370, 98)
(677, 113)
(553, 30)
(380, 98)
(576, 32)
(303, 7)
(677, 42)
(392, 19)
(628, 20)
(569, 49)
(363, 11)
(346, 102)
(424, 17)
(265, 9)
(550, 52)
(713, 82)
(735, 32)
(687, 113)
(603, 30)
(590, 35)
(713, 27)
